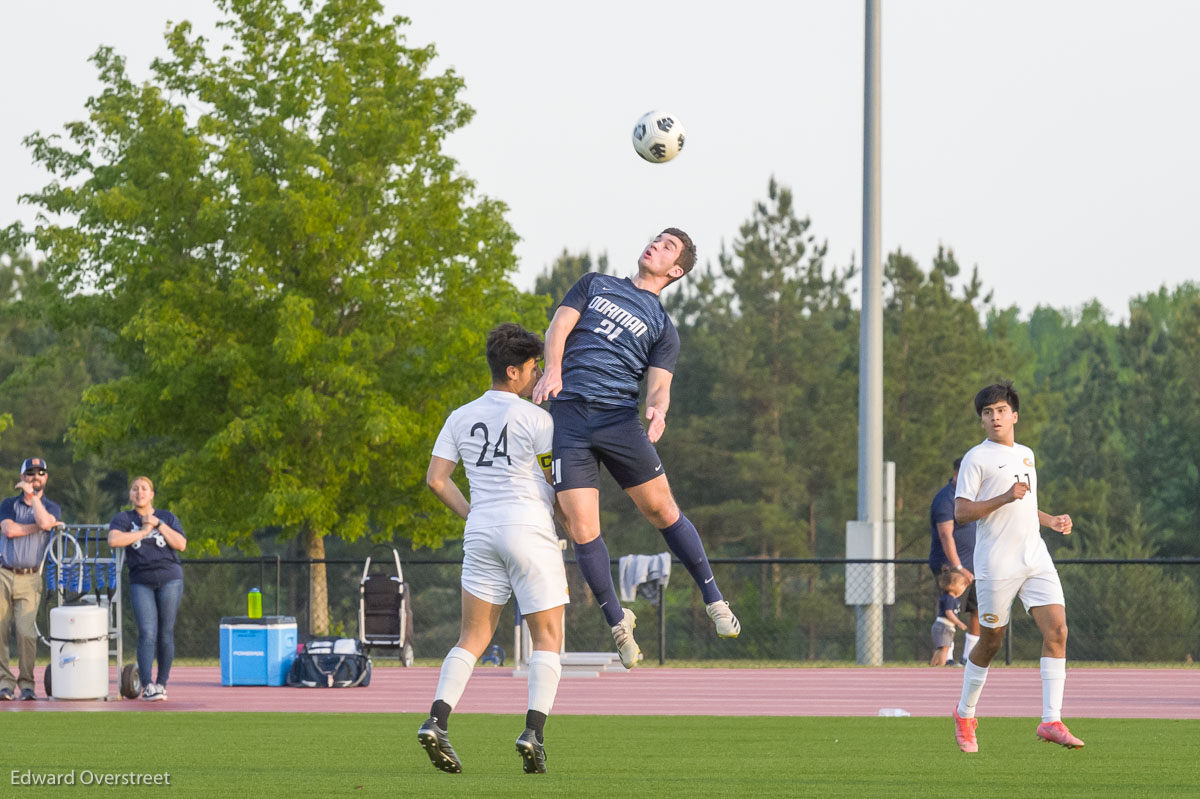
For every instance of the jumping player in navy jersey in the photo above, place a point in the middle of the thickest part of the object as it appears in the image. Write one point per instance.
(606, 336)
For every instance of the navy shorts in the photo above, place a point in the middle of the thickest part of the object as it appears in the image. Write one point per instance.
(587, 435)
(970, 600)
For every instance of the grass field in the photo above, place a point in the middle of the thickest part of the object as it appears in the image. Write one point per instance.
(262, 755)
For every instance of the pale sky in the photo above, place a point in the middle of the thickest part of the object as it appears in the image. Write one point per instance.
(1045, 142)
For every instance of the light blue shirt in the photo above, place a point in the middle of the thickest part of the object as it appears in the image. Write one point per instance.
(27, 551)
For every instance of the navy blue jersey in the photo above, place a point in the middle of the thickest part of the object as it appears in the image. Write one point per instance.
(151, 560)
(942, 510)
(947, 602)
(622, 331)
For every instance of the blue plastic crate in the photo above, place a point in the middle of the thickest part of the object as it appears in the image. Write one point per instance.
(85, 577)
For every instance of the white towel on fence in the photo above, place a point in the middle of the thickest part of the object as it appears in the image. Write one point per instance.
(635, 570)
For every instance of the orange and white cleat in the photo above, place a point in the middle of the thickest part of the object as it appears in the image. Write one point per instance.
(964, 732)
(1056, 732)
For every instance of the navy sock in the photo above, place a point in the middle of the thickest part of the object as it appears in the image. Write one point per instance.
(440, 713)
(536, 721)
(684, 542)
(593, 561)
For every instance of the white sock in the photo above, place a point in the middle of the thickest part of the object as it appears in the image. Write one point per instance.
(950, 651)
(969, 642)
(456, 670)
(973, 679)
(545, 668)
(1054, 679)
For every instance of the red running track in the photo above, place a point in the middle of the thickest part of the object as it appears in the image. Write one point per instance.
(1090, 693)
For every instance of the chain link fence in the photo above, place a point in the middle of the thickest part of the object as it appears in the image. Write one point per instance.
(791, 609)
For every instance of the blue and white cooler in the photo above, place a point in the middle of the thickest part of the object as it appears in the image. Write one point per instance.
(257, 651)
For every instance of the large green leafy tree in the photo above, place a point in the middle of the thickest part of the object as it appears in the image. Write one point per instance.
(295, 276)
(43, 371)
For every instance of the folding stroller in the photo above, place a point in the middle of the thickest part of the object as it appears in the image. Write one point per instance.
(385, 610)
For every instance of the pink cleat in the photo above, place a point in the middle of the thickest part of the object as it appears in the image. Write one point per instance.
(964, 732)
(1056, 732)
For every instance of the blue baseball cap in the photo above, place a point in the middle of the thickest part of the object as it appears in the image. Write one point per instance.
(33, 463)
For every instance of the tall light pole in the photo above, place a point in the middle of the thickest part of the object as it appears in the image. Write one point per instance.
(869, 616)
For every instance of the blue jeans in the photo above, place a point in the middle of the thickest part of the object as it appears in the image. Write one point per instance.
(155, 607)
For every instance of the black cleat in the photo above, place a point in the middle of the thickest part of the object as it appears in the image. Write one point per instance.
(436, 743)
(533, 754)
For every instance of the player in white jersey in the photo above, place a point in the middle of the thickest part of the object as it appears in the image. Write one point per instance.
(997, 485)
(509, 544)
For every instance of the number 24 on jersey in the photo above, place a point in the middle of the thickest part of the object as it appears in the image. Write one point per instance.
(500, 450)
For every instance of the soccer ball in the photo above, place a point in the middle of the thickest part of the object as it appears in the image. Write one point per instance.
(658, 136)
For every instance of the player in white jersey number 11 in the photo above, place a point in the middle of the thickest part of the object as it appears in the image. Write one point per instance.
(997, 487)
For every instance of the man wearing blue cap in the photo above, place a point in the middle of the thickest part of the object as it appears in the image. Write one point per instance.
(25, 524)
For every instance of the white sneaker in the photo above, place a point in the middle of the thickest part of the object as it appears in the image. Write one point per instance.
(153, 693)
(622, 634)
(727, 624)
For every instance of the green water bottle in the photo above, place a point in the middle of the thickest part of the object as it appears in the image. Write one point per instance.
(254, 604)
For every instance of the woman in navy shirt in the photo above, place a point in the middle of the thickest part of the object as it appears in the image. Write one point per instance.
(153, 541)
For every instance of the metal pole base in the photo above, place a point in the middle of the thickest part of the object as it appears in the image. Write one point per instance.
(868, 635)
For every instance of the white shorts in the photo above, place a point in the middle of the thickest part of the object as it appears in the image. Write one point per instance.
(996, 596)
(520, 559)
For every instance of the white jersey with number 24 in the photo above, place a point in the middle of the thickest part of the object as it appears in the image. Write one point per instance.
(504, 442)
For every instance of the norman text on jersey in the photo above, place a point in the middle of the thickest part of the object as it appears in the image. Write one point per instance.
(615, 312)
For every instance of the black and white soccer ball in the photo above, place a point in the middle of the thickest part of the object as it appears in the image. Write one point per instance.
(658, 136)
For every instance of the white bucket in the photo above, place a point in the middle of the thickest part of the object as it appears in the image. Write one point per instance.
(79, 652)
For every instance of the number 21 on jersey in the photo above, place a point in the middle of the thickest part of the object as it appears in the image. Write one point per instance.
(609, 329)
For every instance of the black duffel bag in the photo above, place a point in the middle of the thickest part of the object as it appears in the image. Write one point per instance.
(330, 662)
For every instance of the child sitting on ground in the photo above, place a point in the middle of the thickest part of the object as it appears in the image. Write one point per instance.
(953, 584)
